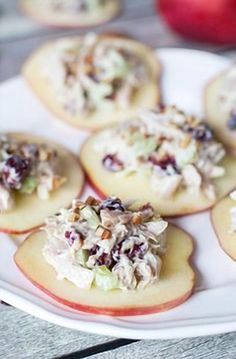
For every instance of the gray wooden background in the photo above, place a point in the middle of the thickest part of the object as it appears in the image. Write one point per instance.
(25, 337)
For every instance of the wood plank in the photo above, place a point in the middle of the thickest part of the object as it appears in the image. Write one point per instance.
(23, 337)
(100, 348)
(210, 347)
(40, 339)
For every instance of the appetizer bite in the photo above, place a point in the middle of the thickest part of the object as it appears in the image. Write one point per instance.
(220, 103)
(164, 157)
(37, 178)
(100, 257)
(71, 13)
(223, 217)
(94, 81)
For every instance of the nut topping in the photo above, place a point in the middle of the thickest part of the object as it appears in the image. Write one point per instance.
(102, 232)
(91, 201)
(137, 219)
(74, 217)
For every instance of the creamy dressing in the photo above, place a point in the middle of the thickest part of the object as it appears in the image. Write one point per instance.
(106, 245)
(174, 150)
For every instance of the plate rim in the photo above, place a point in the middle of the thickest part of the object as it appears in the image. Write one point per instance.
(200, 328)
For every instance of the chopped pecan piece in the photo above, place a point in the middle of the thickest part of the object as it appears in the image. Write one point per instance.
(74, 217)
(102, 232)
(76, 210)
(136, 219)
(77, 204)
(58, 181)
(91, 201)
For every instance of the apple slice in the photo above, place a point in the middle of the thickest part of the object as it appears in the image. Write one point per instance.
(49, 17)
(147, 95)
(221, 221)
(175, 285)
(137, 188)
(215, 116)
(30, 211)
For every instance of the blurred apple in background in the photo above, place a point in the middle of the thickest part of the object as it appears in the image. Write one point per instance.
(203, 20)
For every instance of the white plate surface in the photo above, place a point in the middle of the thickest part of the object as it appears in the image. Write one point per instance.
(212, 307)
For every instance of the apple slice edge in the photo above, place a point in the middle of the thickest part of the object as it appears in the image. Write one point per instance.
(220, 219)
(129, 306)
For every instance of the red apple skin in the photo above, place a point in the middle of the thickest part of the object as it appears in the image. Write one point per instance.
(18, 233)
(202, 20)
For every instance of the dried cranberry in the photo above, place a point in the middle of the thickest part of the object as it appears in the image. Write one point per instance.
(164, 162)
(202, 132)
(72, 236)
(113, 204)
(15, 170)
(231, 123)
(93, 250)
(67, 234)
(105, 260)
(116, 251)
(161, 107)
(138, 250)
(112, 163)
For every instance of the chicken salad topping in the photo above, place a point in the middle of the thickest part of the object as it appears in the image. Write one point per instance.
(174, 150)
(94, 74)
(26, 168)
(104, 244)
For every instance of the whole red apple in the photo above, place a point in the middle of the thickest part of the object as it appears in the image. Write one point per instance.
(203, 20)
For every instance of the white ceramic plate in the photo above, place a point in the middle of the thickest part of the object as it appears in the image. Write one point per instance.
(212, 308)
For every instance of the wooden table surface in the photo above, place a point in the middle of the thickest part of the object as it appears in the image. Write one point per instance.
(25, 337)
